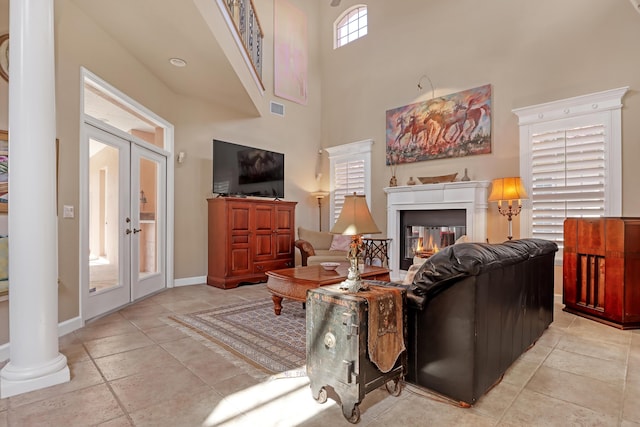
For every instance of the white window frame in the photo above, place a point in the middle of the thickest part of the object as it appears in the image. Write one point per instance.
(601, 108)
(360, 150)
(337, 27)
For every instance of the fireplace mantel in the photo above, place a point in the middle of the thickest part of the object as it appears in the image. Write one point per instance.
(468, 195)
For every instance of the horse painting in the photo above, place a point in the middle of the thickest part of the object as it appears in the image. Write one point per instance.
(454, 125)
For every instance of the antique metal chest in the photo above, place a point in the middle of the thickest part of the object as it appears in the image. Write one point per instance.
(337, 348)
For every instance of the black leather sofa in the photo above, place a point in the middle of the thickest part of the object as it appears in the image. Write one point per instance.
(473, 309)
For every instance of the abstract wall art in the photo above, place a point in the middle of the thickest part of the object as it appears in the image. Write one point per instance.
(291, 56)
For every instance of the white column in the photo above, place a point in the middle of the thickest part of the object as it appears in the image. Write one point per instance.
(35, 361)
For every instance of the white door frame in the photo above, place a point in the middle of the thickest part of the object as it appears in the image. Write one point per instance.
(83, 211)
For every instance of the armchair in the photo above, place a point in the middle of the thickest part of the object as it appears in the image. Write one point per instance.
(321, 246)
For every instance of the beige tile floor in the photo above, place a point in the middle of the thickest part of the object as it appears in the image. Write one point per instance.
(132, 368)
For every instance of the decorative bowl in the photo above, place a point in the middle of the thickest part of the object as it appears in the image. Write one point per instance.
(438, 179)
(329, 266)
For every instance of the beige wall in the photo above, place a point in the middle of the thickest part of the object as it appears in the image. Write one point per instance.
(530, 52)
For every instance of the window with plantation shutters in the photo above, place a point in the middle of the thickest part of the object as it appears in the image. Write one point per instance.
(350, 168)
(570, 162)
(567, 178)
(349, 178)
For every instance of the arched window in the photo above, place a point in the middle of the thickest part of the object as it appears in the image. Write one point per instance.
(350, 26)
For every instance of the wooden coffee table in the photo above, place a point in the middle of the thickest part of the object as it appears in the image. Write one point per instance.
(293, 283)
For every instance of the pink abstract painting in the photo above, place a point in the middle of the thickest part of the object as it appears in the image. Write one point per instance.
(291, 56)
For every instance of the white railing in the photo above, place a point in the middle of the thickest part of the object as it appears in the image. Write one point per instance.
(244, 16)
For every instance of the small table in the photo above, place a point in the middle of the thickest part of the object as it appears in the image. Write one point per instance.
(376, 249)
(293, 283)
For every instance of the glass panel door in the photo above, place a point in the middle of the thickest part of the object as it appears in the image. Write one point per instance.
(108, 286)
(148, 190)
(127, 223)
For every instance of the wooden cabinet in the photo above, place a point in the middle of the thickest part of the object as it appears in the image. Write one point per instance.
(601, 270)
(247, 238)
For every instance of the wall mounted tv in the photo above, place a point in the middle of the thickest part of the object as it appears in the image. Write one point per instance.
(239, 170)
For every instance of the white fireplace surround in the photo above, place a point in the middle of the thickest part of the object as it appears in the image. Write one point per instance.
(468, 195)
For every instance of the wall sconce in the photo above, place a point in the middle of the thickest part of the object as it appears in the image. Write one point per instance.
(420, 80)
(508, 189)
(320, 195)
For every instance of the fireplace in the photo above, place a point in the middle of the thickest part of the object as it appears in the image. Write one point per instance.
(424, 232)
(452, 209)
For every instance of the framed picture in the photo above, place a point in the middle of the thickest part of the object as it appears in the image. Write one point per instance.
(4, 171)
(4, 56)
(455, 125)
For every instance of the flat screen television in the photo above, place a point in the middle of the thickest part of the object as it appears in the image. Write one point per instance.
(239, 170)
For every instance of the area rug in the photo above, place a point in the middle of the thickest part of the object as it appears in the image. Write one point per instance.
(252, 331)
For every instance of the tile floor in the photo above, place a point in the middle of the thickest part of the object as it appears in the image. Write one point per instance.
(132, 368)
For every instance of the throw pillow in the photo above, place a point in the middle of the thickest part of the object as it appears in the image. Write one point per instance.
(340, 243)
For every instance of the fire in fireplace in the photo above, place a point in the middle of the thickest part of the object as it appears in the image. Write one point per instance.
(424, 232)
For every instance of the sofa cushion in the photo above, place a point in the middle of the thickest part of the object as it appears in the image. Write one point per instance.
(340, 243)
(318, 239)
(472, 259)
(327, 256)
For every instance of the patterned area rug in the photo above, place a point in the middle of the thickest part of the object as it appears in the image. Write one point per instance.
(254, 332)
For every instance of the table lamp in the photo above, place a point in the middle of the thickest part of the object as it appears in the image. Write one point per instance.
(354, 220)
(508, 189)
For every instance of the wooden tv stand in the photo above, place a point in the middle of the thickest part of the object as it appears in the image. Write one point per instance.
(247, 238)
(601, 270)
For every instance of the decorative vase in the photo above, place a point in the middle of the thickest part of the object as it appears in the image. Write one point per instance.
(393, 182)
(465, 177)
(411, 181)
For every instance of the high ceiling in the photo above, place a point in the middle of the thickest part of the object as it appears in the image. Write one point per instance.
(156, 30)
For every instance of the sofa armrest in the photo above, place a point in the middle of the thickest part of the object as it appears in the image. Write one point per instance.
(306, 250)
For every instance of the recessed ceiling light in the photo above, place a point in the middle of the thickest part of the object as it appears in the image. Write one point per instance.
(177, 62)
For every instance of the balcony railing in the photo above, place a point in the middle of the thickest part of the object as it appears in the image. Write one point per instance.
(247, 24)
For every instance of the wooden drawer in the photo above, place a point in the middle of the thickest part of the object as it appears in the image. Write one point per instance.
(263, 267)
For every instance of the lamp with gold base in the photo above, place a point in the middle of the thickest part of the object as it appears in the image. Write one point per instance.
(508, 189)
(355, 220)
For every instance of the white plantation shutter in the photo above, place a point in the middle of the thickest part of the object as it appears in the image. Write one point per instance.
(349, 177)
(350, 168)
(567, 178)
(570, 162)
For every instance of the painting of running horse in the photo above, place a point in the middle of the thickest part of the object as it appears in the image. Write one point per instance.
(455, 125)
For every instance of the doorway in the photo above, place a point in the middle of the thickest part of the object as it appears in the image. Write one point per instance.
(125, 211)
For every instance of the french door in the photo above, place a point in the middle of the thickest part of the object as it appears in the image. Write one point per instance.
(126, 259)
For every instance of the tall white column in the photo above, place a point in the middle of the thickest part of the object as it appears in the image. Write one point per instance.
(35, 361)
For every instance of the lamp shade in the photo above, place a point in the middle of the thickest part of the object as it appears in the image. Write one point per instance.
(355, 217)
(507, 189)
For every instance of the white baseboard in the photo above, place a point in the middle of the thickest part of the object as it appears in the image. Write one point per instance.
(69, 326)
(64, 328)
(187, 281)
(4, 352)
